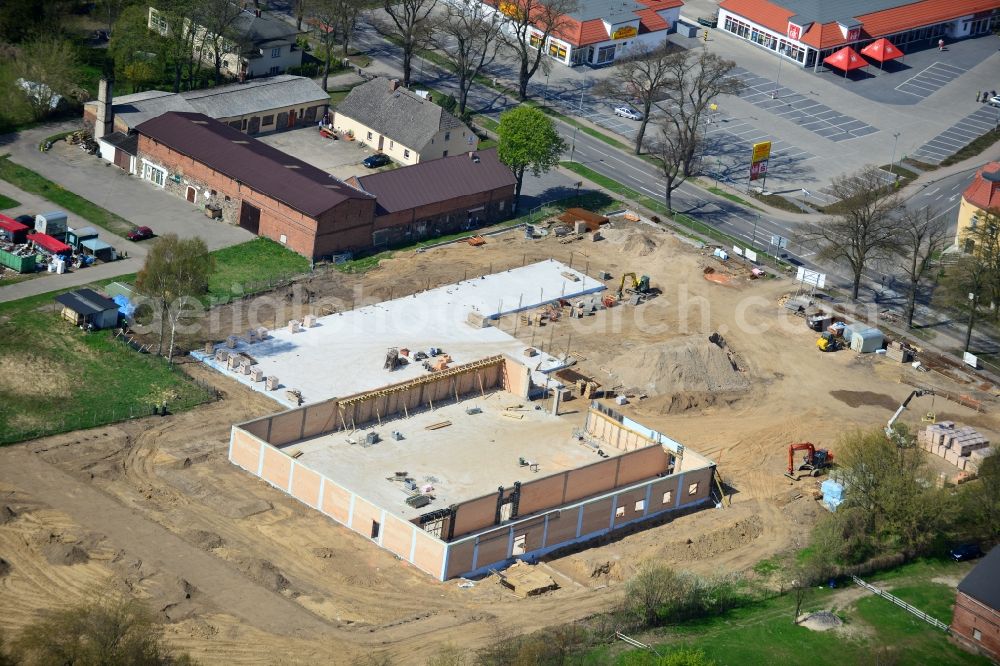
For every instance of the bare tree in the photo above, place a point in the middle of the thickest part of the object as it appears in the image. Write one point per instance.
(336, 21)
(531, 23)
(640, 78)
(671, 149)
(975, 277)
(694, 80)
(923, 233)
(470, 36)
(216, 19)
(411, 23)
(299, 7)
(865, 228)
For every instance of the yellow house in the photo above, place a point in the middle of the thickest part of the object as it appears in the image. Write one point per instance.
(981, 196)
(401, 124)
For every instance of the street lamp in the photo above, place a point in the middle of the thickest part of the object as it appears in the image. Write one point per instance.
(892, 162)
(545, 91)
(572, 149)
(777, 81)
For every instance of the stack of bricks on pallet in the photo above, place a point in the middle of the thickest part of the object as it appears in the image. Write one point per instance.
(956, 445)
(898, 351)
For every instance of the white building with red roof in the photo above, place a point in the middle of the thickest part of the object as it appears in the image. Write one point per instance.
(807, 31)
(597, 32)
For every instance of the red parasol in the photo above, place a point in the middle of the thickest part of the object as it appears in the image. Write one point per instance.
(846, 59)
(882, 50)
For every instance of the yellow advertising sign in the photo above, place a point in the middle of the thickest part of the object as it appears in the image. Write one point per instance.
(625, 32)
(512, 10)
(761, 151)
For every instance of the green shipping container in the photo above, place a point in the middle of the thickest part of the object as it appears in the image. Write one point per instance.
(19, 264)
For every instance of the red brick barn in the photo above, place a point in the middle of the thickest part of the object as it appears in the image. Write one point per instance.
(439, 196)
(976, 620)
(262, 189)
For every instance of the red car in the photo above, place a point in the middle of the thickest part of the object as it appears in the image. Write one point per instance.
(140, 233)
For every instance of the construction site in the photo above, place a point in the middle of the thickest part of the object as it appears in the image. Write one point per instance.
(373, 500)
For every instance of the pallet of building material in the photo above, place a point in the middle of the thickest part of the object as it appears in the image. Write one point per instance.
(572, 277)
(438, 425)
(951, 456)
(979, 454)
(512, 415)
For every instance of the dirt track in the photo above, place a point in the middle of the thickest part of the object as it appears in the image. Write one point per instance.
(244, 574)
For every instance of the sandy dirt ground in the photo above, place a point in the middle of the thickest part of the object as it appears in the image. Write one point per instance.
(242, 573)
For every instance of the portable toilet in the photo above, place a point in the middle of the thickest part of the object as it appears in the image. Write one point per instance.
(53, 224)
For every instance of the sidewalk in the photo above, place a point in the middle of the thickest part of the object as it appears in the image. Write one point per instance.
(52, 282)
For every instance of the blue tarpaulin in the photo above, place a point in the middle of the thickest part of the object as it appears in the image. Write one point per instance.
(124, 305)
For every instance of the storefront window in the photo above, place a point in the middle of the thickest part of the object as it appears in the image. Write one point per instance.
(605, 54)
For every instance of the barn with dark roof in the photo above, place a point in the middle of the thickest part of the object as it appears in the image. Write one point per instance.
(248, 182)
(975, 622)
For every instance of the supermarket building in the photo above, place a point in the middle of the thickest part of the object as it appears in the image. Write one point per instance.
(807, 31)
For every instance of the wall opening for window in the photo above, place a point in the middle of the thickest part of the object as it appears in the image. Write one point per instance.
(640, 505)
(693, 489)
(154, 174)
(519, 547)
(375, 529)
(434, 527)
(283, 238)
(668, 497)
(276, 52)
(406, 153)
(619, 512)
(978, 635)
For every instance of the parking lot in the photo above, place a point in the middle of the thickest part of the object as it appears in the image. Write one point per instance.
(930, 79)
(338, 157)
(799, 109)
(959, 135)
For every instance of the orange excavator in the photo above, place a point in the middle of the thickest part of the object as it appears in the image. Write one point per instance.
(814, 462)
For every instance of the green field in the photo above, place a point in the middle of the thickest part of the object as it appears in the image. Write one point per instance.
(764, 633)
(35, 183)
(251, 267)
(7, 202)
(55, 378)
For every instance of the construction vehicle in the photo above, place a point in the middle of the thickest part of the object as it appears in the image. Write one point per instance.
(814, 462)
(890, 432)
(636, 285)
(828, 342)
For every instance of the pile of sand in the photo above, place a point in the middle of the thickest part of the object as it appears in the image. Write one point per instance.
(695, 364)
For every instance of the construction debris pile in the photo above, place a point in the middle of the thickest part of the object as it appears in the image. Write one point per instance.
(963, 447)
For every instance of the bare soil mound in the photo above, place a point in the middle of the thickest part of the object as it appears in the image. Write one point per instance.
(266, 575)
(205, 540)
(820, 621)
(865, 398)
(65, 553)
(695, 364)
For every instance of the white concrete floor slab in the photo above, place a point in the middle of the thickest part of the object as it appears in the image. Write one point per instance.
(449, 463)
(344, 353)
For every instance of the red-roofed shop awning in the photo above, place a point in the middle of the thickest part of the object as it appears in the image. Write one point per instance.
(50, 244)
(846, 59)
(882, 50)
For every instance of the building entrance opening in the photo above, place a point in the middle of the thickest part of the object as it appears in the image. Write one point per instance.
(250, 217)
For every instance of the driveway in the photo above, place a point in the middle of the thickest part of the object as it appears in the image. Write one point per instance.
(108, 186)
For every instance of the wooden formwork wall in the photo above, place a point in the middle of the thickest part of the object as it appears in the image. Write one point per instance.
(613, 433)
(362, 409)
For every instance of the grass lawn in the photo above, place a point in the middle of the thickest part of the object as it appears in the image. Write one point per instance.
(974, 148)
(777, 201)
(718, 191)
(7, 202)
(56, 378)
(764, 633)
(251, 267)
(29, 181)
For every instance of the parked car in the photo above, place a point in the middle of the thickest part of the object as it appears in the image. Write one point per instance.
(140, 233)
(994, 101)
(709, 21)
(376, 160)
(967, 551)
(627, 112)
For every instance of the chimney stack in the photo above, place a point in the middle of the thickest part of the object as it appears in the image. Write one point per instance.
(393, 84)
(105, 122)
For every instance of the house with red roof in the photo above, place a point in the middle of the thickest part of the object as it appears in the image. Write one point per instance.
(982, 195)
(597, 32)
(807, 31)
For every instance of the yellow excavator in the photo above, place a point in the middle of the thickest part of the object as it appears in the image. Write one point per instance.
(636, 285)
(828, 342)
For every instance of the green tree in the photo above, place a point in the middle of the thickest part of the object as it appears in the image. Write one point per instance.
(981, 503)
(975, 278)
(175, 274)
(528, 141)
(51, 63)
(111, 630)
